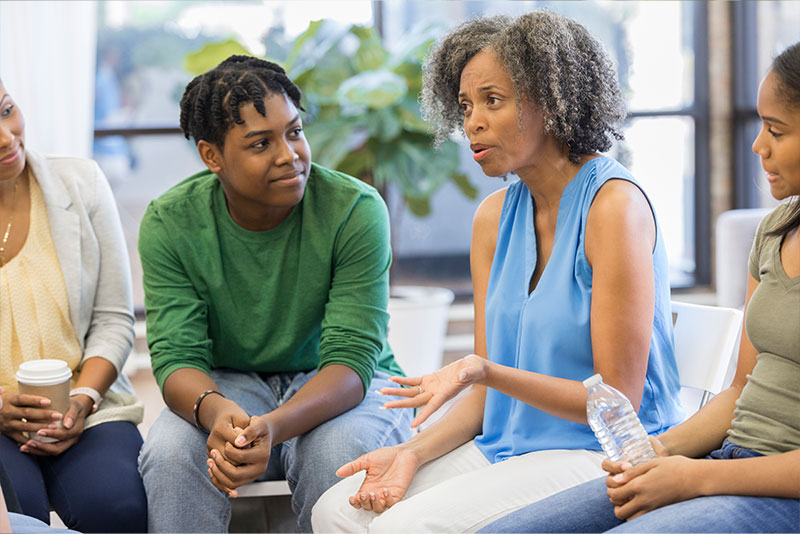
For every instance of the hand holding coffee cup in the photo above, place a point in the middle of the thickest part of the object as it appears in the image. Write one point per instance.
(66, 433)
(49, 379)
(18, 413)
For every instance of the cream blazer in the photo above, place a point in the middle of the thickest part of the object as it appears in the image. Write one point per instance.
(90, 245)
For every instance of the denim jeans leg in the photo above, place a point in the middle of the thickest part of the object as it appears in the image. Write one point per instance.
(720, 513)
(731, 451)
(584, 508)
(31, 525)
(180, 495)
(312, 459)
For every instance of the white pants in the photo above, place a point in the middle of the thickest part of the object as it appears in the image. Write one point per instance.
(460, 492)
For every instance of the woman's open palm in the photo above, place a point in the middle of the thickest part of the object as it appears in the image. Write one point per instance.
(389, 471)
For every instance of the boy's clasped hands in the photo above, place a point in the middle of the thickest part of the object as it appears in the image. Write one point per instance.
(238, 447)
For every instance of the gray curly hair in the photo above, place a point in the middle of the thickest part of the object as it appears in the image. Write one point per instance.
(552, 60)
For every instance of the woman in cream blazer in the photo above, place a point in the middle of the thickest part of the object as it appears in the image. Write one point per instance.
(65, 293)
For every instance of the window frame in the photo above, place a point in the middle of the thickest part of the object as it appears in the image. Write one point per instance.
(744, 47)
(700, 114)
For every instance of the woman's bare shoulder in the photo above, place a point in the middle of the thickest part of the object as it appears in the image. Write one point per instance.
(490, 208)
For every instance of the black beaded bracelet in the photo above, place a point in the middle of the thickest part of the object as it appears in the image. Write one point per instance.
(197, 407)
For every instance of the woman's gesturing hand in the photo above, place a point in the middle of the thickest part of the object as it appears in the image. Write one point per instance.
(388, 475)
(433, 390)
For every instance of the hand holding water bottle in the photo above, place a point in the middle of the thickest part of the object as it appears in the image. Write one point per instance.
(636, 484)
(615, 423)
(637, 489)
(615, 468)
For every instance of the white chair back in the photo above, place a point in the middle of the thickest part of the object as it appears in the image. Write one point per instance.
(734, 238)
(706, 338)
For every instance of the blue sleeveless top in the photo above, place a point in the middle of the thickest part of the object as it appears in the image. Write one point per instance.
(549, 332)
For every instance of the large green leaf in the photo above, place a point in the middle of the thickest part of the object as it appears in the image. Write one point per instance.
(212, 55)
(374, 89)
(371, 54)
(364, 33)
(415, 44)
(311, 31)
(412, 72)
(383, 124)
(409, 165)
(448, 154)
(316, 47)
(330, 141)
(356, 162)
(419, 206)
(409, 114)
(324, 83)
(464, 185)
(331, 111)
(419, 170)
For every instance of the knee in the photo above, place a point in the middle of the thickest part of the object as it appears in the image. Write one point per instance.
(130, 514)
(331, 444)
(324, 449)
(105, 514)
(333, 513)
(317, 457)
(173, 448)
(404, 518)
(31, 497)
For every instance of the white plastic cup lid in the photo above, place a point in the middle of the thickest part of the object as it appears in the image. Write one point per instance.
(592, 381)
(43, 372)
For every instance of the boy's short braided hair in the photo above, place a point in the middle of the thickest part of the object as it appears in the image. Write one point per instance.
(210, 103)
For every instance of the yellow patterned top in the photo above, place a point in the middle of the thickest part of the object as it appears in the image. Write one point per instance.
(34, 315)
(34, 310)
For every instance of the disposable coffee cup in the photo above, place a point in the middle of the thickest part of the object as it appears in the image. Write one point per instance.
(46, 378)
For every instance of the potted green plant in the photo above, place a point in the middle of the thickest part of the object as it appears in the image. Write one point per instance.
(363, 118)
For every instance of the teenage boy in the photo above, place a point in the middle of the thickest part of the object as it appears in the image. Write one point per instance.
(266, 284)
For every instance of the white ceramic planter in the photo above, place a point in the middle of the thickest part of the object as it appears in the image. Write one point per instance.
(417, 327)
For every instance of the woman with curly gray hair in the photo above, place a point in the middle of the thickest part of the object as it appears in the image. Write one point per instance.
(734, 466)
(570, 279)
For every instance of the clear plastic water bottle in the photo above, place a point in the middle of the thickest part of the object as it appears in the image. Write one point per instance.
(616, 424)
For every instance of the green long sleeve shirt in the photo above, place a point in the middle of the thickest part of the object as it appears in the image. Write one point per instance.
(308, 293)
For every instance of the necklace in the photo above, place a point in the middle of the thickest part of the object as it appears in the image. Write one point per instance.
(8, 227)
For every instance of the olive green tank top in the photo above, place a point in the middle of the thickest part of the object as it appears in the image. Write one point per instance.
(767, 416)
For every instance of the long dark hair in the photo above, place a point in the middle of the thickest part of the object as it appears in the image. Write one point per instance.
(787, 68)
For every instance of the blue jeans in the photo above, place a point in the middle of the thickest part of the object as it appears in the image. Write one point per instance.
(180, 495)
(31, 525)
(586, 508)
(93, 486)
